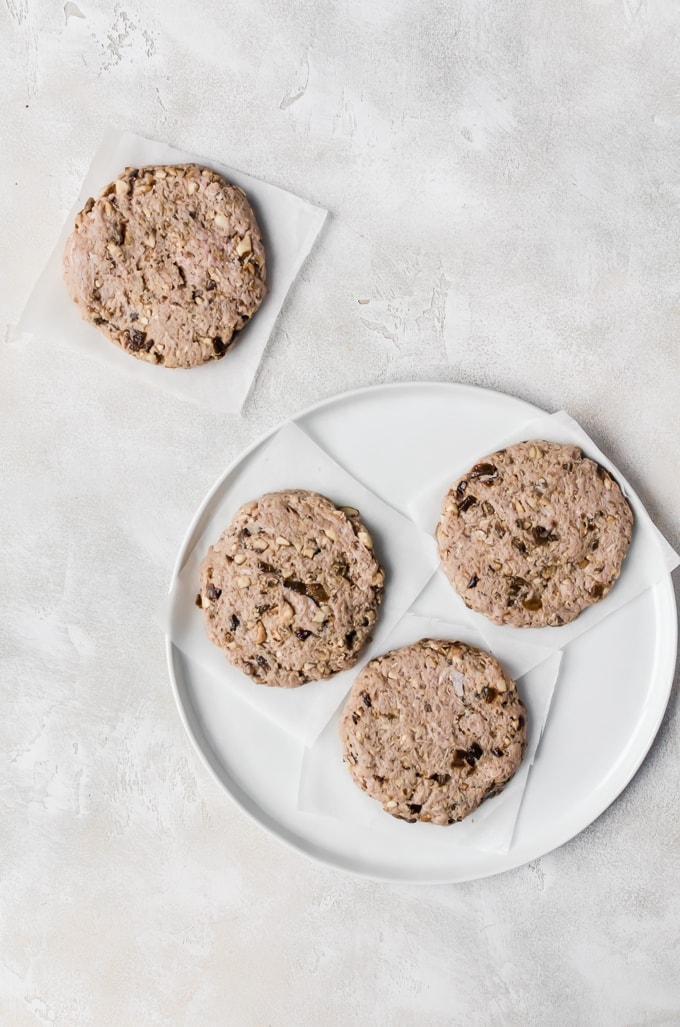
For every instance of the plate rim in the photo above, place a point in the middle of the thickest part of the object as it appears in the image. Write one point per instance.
(663, 586)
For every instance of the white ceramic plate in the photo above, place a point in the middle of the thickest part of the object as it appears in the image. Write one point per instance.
(610, 699)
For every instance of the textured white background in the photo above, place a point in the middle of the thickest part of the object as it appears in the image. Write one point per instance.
(504, 180)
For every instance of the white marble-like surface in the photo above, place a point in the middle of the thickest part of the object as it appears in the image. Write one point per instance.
(504, 181)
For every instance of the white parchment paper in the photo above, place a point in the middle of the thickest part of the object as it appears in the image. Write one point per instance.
(650, 557)
(292, 460)
(327, 789)
(289, 227)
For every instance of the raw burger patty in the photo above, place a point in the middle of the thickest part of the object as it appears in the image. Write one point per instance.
(168, 262)
(534, 534)
(291, 590)
(433, 729)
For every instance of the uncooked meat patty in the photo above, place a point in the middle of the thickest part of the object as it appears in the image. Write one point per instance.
(534, 534)
(291, 589)
(168, 263)
(433, 729)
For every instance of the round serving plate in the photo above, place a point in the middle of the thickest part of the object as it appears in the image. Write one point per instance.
(613, 688)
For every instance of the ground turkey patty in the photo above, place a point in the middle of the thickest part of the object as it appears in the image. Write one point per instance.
(533, 534)
(291, 590)
(433, 729)
(168, 262)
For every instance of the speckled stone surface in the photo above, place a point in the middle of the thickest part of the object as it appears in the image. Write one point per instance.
(504, 183)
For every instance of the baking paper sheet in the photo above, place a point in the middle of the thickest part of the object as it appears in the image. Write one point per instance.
(289, 227)
(327, 789)
(290, 459)
(650, 557)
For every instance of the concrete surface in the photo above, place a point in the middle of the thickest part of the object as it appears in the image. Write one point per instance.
(504, 181)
